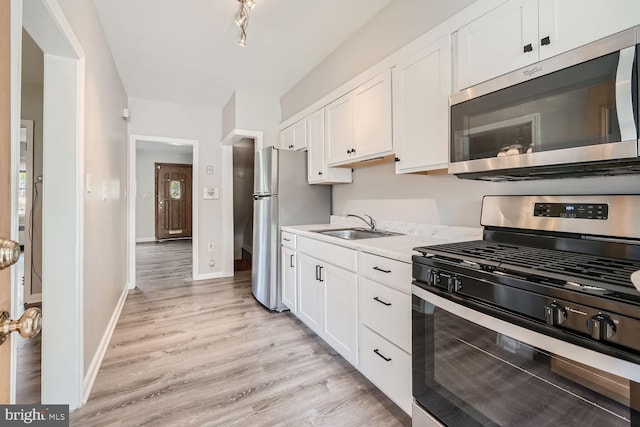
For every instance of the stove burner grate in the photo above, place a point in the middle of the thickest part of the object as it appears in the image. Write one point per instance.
(543, 262)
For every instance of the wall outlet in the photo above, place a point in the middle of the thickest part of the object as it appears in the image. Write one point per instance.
(210, 247)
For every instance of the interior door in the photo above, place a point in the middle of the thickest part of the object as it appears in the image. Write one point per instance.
(5, 186)
(173, 200)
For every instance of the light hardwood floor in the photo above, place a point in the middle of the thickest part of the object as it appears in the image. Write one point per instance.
(206, 353)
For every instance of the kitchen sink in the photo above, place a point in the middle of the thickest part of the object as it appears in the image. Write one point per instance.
(356, 233)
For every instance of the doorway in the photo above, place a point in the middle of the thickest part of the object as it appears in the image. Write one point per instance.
(30, 195)
(173, 197)
(163, 217)
(243, 168)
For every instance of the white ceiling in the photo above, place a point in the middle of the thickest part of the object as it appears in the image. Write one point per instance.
(186, 51)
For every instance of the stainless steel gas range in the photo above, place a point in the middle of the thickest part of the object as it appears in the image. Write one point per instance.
(536, 324)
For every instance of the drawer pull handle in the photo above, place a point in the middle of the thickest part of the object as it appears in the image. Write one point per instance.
(291, 261)
(379, 269)
(286, 240)
(381, 302)
(386, 359)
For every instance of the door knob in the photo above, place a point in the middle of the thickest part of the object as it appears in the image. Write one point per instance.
(28, 325)
(9, 253)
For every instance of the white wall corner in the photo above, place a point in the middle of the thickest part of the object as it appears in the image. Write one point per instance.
(94, 367)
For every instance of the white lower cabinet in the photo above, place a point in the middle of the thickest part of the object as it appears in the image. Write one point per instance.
(387, 366)
(328, 296)
(310, 304)
(289, 280)
(360, 304)
(385, 326)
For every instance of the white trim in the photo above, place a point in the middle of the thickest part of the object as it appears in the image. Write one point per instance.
(449, 26)
(94, 367)
(145, 239)
(209, 276)
(247, 248)
(131, 201)
(237, 135)
(16, 77)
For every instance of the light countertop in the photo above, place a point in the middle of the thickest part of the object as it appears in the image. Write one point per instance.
(395, 247)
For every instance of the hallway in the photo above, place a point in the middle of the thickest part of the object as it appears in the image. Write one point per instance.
(205, 353)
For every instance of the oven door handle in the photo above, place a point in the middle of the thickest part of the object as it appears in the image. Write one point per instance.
(624, 94)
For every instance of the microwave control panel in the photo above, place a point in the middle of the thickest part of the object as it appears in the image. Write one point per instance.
(572, 210)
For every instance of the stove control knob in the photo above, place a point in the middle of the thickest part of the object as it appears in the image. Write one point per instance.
(555, 314)
(457, 284)
(601, 327)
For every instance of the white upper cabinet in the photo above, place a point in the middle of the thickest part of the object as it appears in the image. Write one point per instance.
(421, 89)
(317, 170)
(294, 137)
(572, 23)
(358, 125)
(498, 42)
(339, 129)
(521, 32)
(372, 117)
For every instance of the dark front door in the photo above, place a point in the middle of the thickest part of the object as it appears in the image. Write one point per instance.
(173, 200)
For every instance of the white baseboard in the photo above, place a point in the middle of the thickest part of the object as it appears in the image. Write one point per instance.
(247, 248)
(90, 377)
(145, 239)
(208, 276)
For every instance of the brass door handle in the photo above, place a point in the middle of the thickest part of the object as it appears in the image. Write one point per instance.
(28, 325)
(9, 253)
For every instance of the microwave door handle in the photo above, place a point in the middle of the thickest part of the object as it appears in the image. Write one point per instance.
(624, 96)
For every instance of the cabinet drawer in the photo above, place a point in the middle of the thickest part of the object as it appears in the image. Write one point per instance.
(396, 274)
(288, 239)
(387, 366)
(386, 311)
(333, 254)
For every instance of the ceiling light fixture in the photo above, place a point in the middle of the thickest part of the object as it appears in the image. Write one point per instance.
(242, 19)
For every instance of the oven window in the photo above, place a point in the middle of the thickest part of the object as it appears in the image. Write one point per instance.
(467, 375)
(573, 107)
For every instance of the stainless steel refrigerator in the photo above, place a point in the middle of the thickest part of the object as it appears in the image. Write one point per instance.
(281, 196)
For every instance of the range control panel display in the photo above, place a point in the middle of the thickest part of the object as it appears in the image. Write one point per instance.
(572, 210)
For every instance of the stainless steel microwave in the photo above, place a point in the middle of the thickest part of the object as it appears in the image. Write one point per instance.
(574, 114)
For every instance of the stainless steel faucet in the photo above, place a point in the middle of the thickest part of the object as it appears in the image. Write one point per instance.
(371, 223)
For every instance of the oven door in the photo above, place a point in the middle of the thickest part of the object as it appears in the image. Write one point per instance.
(470, 369)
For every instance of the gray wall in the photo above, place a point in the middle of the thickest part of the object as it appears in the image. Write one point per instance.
(398, 24)
(146, 186)
(416, 198)
(105, 159)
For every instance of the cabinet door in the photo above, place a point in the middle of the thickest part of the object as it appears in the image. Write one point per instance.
(317, 170)
(341, 311)
(289, 279)
(494, 44)
(372, 117)
(572, 23)
(316, 167)
(339, 129)
(300, 135)
(286, 139)
(421, 89)
(311, 298)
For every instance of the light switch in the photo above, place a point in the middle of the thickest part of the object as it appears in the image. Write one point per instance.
(209, 170)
